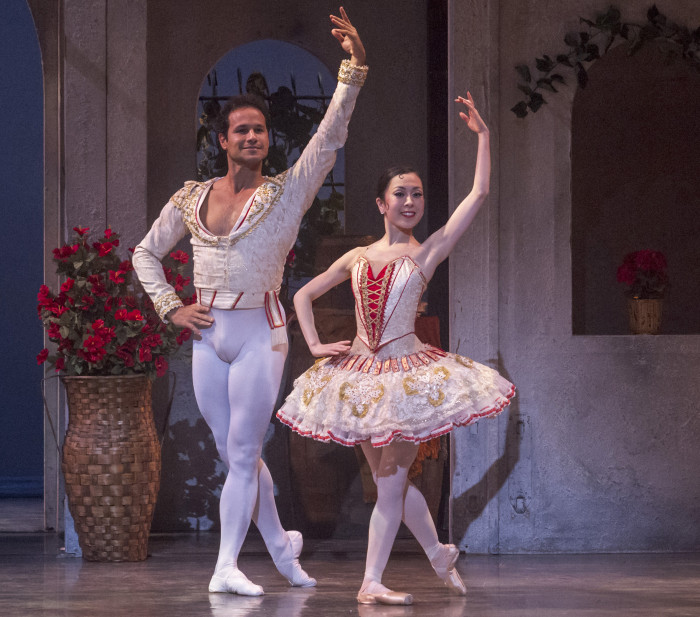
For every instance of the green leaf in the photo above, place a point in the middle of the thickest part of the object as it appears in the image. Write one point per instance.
(525, 89)
(524, 72)
(581, 75)
(64, 331)
(556, 77)
(546, 84)
(520, 109)
(571, 39)
(544, 65)
(77, 265)
(564, 59)
(536, 101)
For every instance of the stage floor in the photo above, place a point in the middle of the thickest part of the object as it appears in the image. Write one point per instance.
(173, 582)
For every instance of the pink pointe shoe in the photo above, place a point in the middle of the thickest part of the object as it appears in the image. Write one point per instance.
(443, 562)
(376, 593)
(288, 563)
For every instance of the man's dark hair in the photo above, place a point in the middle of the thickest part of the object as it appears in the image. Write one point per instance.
(240, 101)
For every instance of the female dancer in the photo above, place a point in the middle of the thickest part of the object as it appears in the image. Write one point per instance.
(388, 391)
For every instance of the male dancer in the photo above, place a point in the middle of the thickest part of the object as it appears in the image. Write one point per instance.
(242, 227)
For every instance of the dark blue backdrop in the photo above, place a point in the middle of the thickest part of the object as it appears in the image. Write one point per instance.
(21, 238)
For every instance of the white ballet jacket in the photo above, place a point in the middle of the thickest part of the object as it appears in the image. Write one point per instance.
(245, 268)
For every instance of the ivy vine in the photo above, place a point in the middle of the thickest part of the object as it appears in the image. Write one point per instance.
(594, 40)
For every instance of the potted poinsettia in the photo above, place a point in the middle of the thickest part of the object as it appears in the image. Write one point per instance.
(645, 275)
(109, 343)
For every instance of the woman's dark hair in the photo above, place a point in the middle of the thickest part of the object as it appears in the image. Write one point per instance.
(389, 173)
(240, 101)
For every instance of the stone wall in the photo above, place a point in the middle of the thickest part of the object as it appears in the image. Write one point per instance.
(598, 450)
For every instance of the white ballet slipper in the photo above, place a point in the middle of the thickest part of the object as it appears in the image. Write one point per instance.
(288, 563)
(232, 580)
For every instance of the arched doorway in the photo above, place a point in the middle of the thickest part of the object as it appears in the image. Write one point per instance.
(634, 184)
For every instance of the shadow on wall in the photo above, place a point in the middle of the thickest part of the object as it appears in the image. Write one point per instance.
(191, 479)
(474, 500)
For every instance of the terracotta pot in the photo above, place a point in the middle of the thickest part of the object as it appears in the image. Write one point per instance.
(111, 463)
(644, 315)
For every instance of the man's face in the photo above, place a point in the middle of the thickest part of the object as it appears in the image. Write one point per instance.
(247, 139)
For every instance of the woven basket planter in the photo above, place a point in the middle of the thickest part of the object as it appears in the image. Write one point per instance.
(644, 315)
(111, 463)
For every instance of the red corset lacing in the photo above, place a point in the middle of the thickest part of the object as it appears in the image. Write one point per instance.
(374, 288)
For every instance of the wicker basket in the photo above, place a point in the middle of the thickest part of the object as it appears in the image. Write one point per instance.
(645, 315)
(111, 463)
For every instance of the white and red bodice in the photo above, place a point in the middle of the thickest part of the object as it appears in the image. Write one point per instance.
(386, 302)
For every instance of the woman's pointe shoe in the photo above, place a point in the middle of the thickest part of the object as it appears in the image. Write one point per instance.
(378, 594)
(288, 563)
(443, 563)
(232, 580)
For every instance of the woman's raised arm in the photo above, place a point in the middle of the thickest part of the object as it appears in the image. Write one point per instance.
(440, 244)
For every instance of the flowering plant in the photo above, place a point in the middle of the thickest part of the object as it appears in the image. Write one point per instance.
(101, 319)
(644, 273)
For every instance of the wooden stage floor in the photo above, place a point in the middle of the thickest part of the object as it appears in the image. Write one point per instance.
(172, 582)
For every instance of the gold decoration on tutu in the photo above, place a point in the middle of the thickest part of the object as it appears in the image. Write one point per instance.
(361, 395)
(428, 384)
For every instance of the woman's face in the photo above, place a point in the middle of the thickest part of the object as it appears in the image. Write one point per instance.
(403, 202)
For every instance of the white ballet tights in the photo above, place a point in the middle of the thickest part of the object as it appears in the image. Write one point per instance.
(236, 376)
(397, 500)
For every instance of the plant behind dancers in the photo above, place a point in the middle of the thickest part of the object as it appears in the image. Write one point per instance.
(386, 390)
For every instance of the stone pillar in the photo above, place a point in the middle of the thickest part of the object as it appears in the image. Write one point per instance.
(105, 116)
(473, 66)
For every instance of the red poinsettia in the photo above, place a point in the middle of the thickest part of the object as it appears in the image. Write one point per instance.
(644, 273)
(101, 321)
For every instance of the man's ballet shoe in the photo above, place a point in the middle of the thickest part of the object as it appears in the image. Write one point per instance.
(289, 567)
(388, 597)
(232, 580)
(382, 595)
(444, 565)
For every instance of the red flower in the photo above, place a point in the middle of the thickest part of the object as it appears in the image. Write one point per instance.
(64, 252)
(93, 349)
(125, 266)
(106, 334)
(168, 274)
(116, 277)
(54, 331)
(103, 248)
(42, 356)
(291, 258)
(67, 285)
(108, 233)
(183, 335)
(180, 256)
(60, 364)
(191, 300)
(81, 230)
(145, 354)
(161, 366)
(87, 301)
(152, 340)
(126, 354)
(134, 315)
(181, 282)
(58, 310)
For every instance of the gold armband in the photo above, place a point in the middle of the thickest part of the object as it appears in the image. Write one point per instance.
(351, 74)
